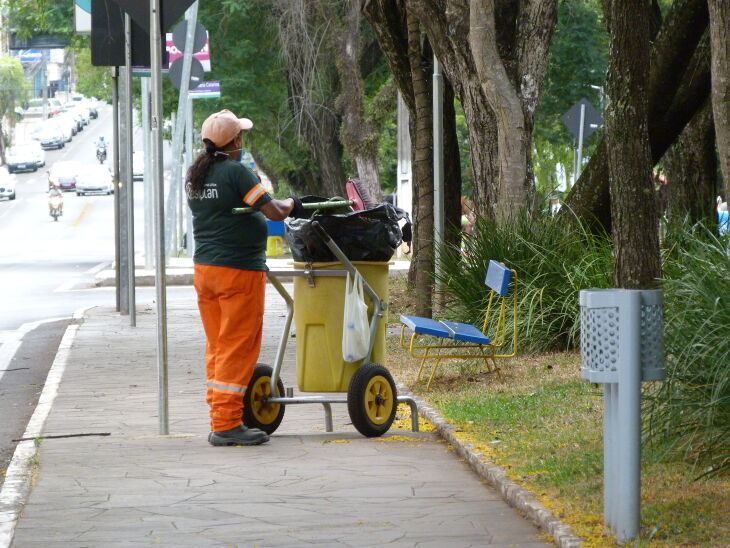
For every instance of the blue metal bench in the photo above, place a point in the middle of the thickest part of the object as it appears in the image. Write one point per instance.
(462, 340)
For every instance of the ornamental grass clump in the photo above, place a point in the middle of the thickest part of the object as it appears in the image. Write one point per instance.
(554, 258)
(690, 410)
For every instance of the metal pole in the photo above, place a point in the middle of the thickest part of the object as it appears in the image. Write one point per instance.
(438, 164)
(580, 140)
(128, 146)
(156, 133)
(146, 178)
(115, 161)
(628, 492)
(188, 162)
(191, 17)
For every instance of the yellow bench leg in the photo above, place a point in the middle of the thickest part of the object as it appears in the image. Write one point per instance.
(435, 367)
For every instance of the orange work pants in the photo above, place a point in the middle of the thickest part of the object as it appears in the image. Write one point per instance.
(231, 303)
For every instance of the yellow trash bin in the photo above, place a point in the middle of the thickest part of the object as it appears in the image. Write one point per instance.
(318, 316)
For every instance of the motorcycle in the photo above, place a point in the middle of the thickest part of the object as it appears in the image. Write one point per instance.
(101, 154)
(54, 207)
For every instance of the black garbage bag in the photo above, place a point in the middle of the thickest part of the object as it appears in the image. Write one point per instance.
(370, 235)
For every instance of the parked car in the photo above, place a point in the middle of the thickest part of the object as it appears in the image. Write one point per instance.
(63, 127)
(138, 165)
(94, 179)
(63, 174)
(49, 136)
(25, 157)
(70, 121)
(7, 185)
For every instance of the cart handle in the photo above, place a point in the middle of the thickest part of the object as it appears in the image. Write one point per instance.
(315, 205)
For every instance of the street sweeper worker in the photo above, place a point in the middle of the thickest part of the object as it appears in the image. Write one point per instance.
(230, 269)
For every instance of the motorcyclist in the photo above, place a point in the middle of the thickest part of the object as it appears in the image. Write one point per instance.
(101, 149)
(55, 192)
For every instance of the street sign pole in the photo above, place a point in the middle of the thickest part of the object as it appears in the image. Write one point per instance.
(156, 132)
(147, 179)
(115, 160)
(129, 182)
(190, 244)
(191, 19)
(580, 140)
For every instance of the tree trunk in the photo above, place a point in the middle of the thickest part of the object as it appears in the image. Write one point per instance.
(452, 170)
(512, 146)
(691, 171)
(399, 36)
(637, 263)
(678, 81)
(422, 154)
(357, 133)
(312, 84)
(720, 40)
(447, 27)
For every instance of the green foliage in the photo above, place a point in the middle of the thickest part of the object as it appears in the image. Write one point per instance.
(92, 81)
(578, 59)
(13, 90)
(691, 409)
(554, 259)
(29, 17)
(245, 55)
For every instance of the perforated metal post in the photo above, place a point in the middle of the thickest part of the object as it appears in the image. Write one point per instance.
(622, 344)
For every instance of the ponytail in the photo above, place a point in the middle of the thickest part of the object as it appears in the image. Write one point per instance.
(198, 172)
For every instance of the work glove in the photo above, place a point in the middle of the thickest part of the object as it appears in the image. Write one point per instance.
(298, 212)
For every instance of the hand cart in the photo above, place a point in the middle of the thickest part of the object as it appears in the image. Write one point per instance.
(371, 398)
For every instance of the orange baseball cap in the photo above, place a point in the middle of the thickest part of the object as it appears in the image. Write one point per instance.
(222, 127)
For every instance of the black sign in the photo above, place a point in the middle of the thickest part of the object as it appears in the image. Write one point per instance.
(196, 73)
(107, 38)
(139, 11)
(591, 119)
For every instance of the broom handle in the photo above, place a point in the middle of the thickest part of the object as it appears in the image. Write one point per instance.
(315, 205)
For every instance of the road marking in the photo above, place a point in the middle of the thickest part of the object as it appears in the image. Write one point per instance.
(68, 286)
(18, 475)
(97, 268)
(81, 216)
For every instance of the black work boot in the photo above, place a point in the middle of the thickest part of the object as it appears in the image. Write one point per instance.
(240, 435)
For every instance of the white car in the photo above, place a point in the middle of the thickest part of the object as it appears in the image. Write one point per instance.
(138, 165)
(63, 128)
(49, 136)
(94, 179)
(7, 185)
(25, 157)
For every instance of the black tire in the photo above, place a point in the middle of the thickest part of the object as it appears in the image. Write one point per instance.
(372, 400)
(12, 197)
(10, 170)
(35, 169)
(257, 413)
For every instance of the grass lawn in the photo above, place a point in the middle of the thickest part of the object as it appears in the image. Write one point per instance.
(543, 424)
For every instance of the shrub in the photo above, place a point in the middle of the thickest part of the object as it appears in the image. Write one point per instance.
(691, 409)
(553, 257)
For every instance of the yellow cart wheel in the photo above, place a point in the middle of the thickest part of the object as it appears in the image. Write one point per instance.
(257, 411)
(371, 400)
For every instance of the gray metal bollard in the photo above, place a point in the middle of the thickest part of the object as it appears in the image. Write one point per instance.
(622, 344)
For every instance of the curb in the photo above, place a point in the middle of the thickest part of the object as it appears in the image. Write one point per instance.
(18, 477)
(515, 495)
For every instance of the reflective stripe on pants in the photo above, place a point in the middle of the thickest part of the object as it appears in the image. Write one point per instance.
(231, 304)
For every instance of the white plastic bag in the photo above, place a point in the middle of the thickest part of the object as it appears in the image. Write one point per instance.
(355, 325)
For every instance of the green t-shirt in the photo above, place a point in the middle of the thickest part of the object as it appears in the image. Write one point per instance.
(222, 238)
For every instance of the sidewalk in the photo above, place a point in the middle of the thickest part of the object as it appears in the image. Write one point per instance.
(305, 487)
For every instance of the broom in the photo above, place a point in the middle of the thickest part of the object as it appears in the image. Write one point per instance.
(357, 192)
